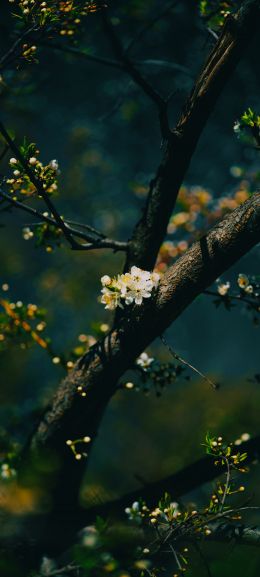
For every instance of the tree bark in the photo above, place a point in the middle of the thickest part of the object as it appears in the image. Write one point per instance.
(182, 141)
(71, 416)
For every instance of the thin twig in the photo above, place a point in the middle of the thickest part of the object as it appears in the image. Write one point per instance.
(114, 63)
(92, 243)
(83, 54)
(176, 558)
(136, 75)
(67, 569)
(181, 360)
(15, 45)
(39, 187)
(87, 227)
(227, 483)
(4, 151)
(149, 24)
(239, 298)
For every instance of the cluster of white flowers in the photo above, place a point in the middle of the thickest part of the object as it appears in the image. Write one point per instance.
(223, 288)
(243, 283)
(128, 288)
(6, 472)
(137, 512)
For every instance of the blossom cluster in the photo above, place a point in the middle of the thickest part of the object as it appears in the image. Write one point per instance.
(128, 288)
(250, 287)
(20, 181)
(44, 234)
(245, 284)
(64, 16)
(153, 374)
(178, 522)
(165, 511)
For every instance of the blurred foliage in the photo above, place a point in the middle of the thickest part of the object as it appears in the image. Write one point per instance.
(215, 12)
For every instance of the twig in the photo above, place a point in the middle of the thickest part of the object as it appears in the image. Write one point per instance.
(210, 31)
(181, 360)
(67, 569)
(136, 75)
(113, 63)
(3, 153)
(83, 54)
(39, 187)
(239, 298)
(102, 242)
(148, 25)
(12, 50)
(227, 483)
(176, 558)
(163, 64)
(87, 227)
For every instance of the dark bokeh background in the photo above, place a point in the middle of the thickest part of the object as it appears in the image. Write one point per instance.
(105, 134)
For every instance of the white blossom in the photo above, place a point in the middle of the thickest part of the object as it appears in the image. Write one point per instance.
(33, 160)
(242, 281)
(144, 361)
(133, 512)
(111, 299)
(105, 280)
(223, 288)
(131, 287)
(237, 127)
(245, 437)
(53, 164)
(137, 294)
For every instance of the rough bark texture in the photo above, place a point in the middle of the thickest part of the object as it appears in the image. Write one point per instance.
(72, 416)
(181, 143)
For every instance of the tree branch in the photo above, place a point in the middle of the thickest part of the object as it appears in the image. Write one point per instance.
(152, 227)
(149, 24)
(184, 481)
(71, 416)
(136, 75)
(83, 54)
(4, 60)
(93, 243)
(39, 187)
